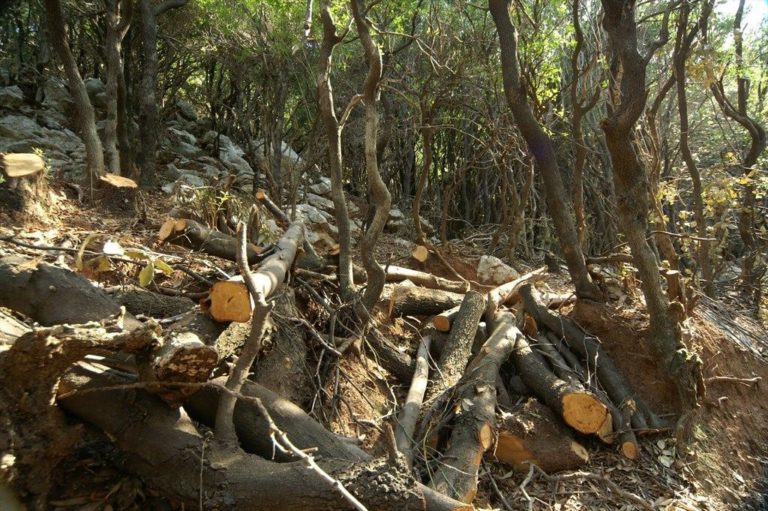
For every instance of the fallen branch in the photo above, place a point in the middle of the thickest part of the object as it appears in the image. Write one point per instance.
(194, 235)
(406, 422)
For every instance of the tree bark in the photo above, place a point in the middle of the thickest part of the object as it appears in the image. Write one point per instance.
(419, 301)
(381, 200)
(118, 20)
(540, 145)
(333, 133)
(94, 157)
(196, 236)
(631, 186)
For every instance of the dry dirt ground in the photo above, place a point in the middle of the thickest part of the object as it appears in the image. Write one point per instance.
(719, 464)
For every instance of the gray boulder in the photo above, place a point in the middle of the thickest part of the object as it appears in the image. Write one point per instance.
(11, 97)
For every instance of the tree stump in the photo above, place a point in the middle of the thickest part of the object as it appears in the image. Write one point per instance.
(23, 190)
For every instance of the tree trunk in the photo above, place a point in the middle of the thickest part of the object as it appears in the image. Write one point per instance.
(149, 117)
(118, 16)
(631, 186)
(333, 132)
(381, 200)
(94, 158)
(540, 145)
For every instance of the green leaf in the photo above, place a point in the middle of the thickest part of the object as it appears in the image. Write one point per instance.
(137, 255)
(81, 250)
(147, 274)
(163, 266)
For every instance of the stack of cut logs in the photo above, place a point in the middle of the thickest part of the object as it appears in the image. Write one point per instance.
(512, 377)
(519, 382)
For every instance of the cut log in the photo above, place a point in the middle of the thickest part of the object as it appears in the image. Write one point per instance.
(475, 409)
(21, 164)
(282, 218)
(398, 274)
(190, 234)
(420, 253)
(140, 301)
(587, 346)
(533, 435)
(390, 357)
(230, 299)
(419, 301)
(580, 409)
(504, 293)
(458, 348)
(406, 422)
(282, 366)
(52, 295)
(443, 320)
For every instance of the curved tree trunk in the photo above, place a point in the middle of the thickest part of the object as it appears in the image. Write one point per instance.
(541, 147)
(94, 158)
(333, 132)
(381, 200)
(628, 68)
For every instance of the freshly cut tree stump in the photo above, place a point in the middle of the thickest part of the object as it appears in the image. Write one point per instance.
(190, 234)
(458, 348)
(475, 408)
(533, 434)
(23, 191)
(118, 193)
(398, 274)
(589, 348)
(580, 409)
(420, 253)
(419, 301)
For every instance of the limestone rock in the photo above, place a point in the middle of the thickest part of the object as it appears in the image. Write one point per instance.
(11, 97)
(492, 270)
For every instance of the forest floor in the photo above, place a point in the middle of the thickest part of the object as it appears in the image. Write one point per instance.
(721, 463)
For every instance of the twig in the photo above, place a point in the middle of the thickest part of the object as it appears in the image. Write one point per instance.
(496, 488)
(748, 382)
(225, 427)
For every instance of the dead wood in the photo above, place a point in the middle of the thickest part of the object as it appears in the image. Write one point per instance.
(190, 234)
(399, 274)
(314, 261)
(10, 329)
(504, 293)
(419, 301)
(155, 305)
(230, 299)
(34, 431)
(474, 427)
(579, 408)
(52, 295)
(406, 421)
(588, 347)
(390, 356)
(253, 430)
(443, 320)
(166, 450)
(282, 365)
(458, 348)
(532, 434)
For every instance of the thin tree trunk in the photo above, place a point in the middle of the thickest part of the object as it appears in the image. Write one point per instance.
(118, 14)
(682, 47)
(381, 200)
(333, 132)
(540, 145)
(94, 158)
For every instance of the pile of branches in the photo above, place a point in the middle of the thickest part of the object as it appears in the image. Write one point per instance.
(511, 378)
